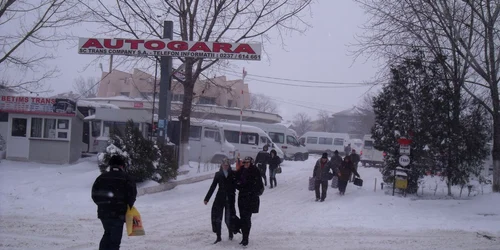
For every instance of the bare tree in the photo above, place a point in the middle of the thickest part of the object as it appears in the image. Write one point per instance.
(86, 87)
(29, 30)
(263, 103)
(325, 121)
(465, 33)
(302, 123)
(226, 20)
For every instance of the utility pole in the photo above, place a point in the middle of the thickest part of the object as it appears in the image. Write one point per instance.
(165, 81)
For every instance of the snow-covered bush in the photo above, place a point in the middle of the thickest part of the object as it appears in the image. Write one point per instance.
(145, 160)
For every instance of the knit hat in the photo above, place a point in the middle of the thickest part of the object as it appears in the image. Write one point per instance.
(116, 160)
(325, 156)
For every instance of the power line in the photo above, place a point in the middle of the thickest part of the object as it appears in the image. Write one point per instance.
(298, 80)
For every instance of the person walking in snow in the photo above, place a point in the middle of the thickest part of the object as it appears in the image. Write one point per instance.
(355, 158)
(261, 161)
(336, 161)
(113, 192)
(321, 174)
(274, 163)
(250, 186)
(344, 173)
(224, 200)
(347, 150)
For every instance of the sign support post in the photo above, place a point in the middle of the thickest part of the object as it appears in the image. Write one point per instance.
(404, 159)
(165, 82)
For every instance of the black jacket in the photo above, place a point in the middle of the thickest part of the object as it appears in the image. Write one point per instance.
(226, 191)
(336, 162)
(250, 186)
(346, 170)
(262, 158)
(322, 173)
(355, 158)
(112, 192)
(274, 162)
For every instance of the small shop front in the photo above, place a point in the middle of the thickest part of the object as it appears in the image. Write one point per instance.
(45, 130)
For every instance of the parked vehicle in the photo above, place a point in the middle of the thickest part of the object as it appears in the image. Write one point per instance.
(369, 155)
(356, 144)
(320, 142)
(283, 137)
(253, 139)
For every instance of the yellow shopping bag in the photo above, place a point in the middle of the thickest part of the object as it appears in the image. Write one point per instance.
(134, 222)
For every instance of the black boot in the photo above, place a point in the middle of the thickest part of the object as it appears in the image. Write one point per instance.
(219, 239)
(275, 182)
(271, 181)
(265, 181)
(230, 235)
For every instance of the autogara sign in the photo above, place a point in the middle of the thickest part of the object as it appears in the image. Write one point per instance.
(162, 47)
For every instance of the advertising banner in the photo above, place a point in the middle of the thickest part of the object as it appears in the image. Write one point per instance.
(37, 105)
(161, 47)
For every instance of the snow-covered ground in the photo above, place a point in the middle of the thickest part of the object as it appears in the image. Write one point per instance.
(49, 207)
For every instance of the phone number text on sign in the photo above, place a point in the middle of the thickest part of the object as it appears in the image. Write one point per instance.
(135, 47)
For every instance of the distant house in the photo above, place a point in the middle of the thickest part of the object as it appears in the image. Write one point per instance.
(355, 121)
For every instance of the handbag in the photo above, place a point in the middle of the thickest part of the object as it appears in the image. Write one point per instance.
(335, 182)
(311, 183)
(358, 182)
(278, 170)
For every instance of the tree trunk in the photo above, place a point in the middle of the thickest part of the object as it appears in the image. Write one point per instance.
(185, 117)
(496, 153)
(448, 184)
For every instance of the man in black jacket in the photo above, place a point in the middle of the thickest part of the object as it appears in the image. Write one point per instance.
(355, 158)
(261, 162)
(112, 192)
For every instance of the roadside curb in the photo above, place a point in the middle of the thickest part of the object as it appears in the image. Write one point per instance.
(171, 185)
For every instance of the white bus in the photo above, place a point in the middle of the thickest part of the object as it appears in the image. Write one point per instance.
(253, 140)
(283, 137)
(321, 142)
(369, 155)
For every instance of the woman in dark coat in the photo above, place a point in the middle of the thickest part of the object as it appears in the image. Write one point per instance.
(224, 200)
(250, 186)
(345, 171)
(274, 162)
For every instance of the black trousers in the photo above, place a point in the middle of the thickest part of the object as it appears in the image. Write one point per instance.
(245, 222)
(263, 169)
(342, 186)
(217, 211)
(324, 188)
(113, 231)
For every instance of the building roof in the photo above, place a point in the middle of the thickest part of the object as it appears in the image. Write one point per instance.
(354, 111)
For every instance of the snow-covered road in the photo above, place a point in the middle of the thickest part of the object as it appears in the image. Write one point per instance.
(50, 208)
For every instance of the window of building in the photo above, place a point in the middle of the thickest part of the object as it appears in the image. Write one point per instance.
(49, 128)
(125, 93)
(229, 103)
(277, 137)
(36, 127)
(312, 140)
(325, 141)
(206, 100)
(338, 142)
(19, 127)
(4, 117)
(195, 132)
(178, 97)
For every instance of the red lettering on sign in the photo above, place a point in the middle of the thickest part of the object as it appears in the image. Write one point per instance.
(244, 48)
(226, 47)
(154, 45)
(177, 45)
(118, 45)
(200, 46)
(134, 44)
(92, 43)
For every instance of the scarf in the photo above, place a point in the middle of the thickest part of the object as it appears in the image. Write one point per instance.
(225, 173)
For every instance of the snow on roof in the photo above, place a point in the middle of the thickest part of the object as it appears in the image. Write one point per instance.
(354, 111)
(83, 103)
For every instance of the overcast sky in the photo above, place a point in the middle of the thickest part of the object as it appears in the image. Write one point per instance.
(322, 54)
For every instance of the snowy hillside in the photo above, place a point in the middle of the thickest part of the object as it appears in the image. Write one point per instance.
(49, 207)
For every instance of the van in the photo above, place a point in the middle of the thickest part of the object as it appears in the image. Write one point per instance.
(253, 140)
(320, 142)
(207, 144)
(283, 137)
(356, 144)
(369, 155)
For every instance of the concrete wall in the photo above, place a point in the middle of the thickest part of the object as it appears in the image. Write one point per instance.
(76, 139)
(49, 151)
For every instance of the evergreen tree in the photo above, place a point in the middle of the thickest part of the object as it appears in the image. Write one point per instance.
(448, 132)
(145, 159)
